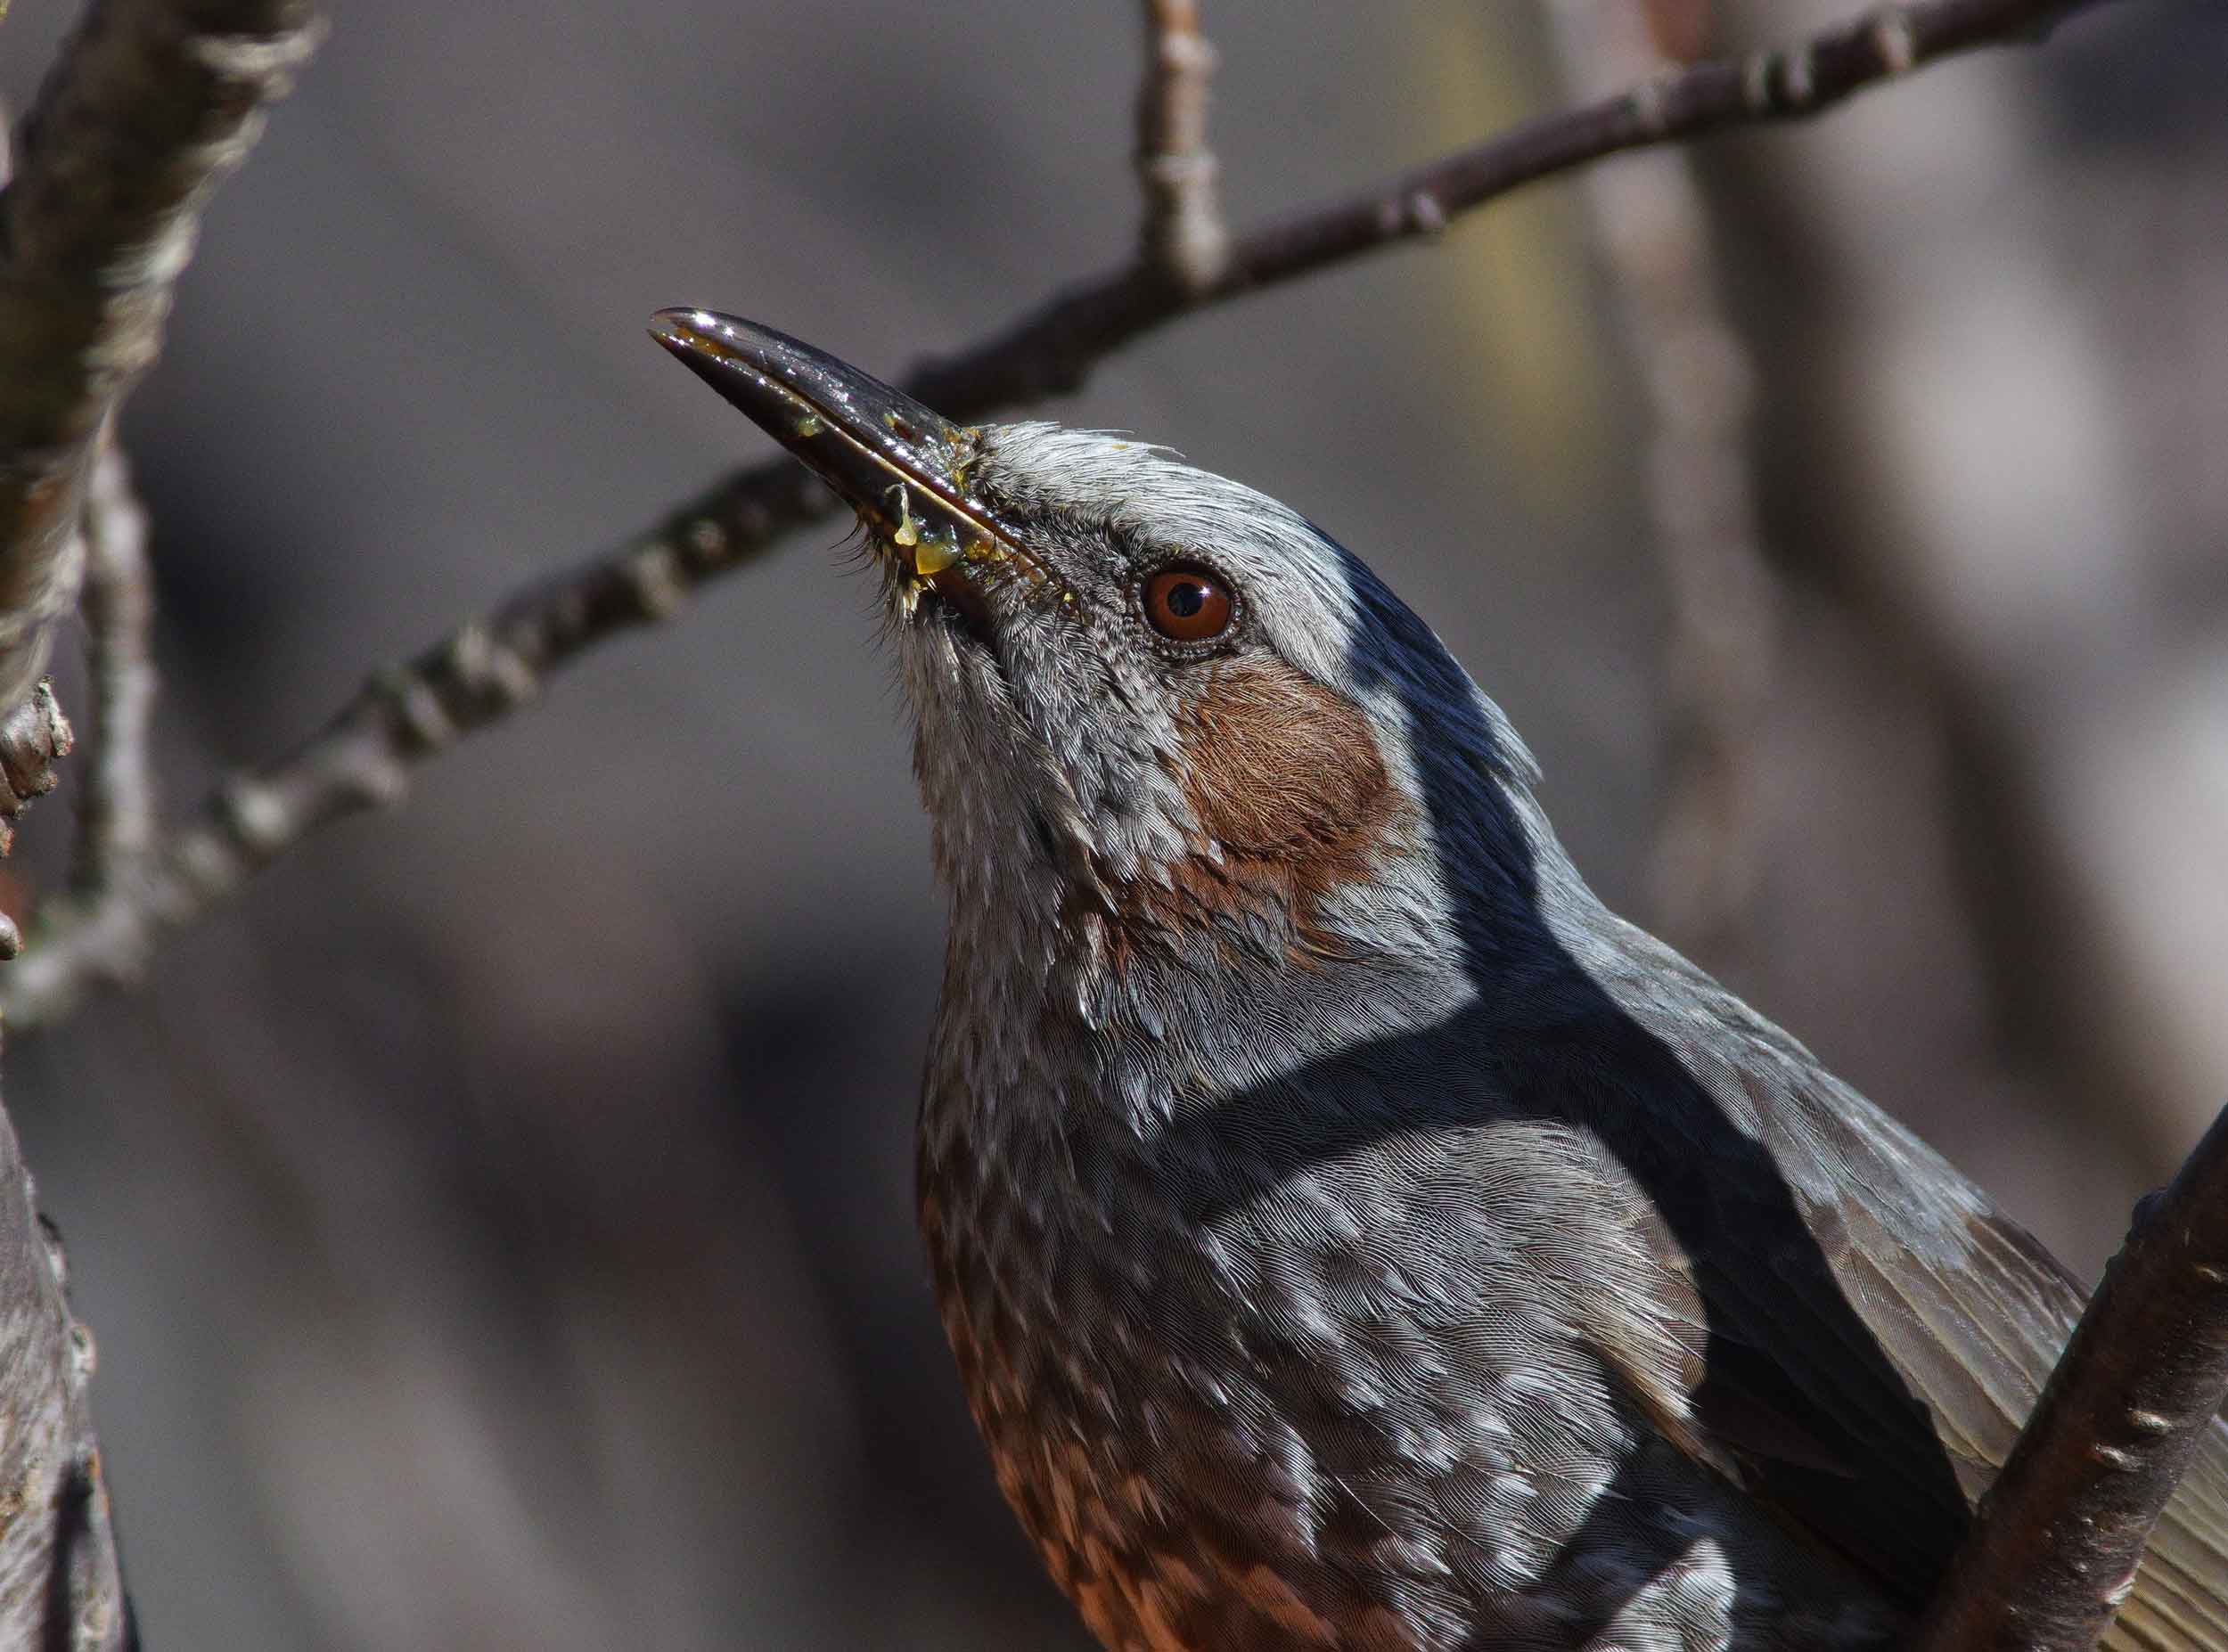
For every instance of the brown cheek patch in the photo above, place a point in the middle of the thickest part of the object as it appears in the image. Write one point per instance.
(1284, 776)
(1275, 766)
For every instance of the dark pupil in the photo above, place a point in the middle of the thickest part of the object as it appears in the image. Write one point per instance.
(1186, 597)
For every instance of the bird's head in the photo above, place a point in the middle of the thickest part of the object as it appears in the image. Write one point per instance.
(1155, 710)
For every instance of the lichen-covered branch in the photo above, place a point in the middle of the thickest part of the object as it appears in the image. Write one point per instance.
(60, 1583)
(1184, 234)
(2054, 1548)
(149, 104)
(365, 755)
(60, 1586)
(116, 822)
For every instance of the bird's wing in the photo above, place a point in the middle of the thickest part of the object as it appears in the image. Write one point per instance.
(1868, 1365)
(1786, 1390)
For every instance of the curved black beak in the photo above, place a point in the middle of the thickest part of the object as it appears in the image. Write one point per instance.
(901, 466)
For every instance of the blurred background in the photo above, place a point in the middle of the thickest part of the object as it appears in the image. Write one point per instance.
(497, 1226)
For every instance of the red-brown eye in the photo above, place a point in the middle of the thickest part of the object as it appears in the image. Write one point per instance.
(1187, 604)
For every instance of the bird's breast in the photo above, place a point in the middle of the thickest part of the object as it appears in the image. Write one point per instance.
(1237, 1407)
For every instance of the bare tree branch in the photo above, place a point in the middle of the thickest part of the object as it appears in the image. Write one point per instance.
(1184, 234)
(60, 1583)
(363, 756)
(2053, 1550)
(1051, 350)
(150, 104)
(35, 734)
(116, 824)
(1653, 230)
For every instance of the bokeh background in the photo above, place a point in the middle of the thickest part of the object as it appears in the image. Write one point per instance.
(497, 1226)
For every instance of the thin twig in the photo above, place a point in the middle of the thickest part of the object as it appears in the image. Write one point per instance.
(2055, 1547)
(1051, 350)
(1185, 233)
(151, 103)
(363, 756)
(1653, 230)
(116, 824)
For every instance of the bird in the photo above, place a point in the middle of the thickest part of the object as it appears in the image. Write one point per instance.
(1351, 1233)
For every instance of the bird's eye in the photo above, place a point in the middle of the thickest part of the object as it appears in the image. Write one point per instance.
(1187, 604)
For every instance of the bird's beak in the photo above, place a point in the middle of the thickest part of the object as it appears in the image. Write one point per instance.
(902, 467)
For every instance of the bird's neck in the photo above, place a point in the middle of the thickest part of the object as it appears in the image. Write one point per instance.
(1111, 1010)
(1099, 990)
